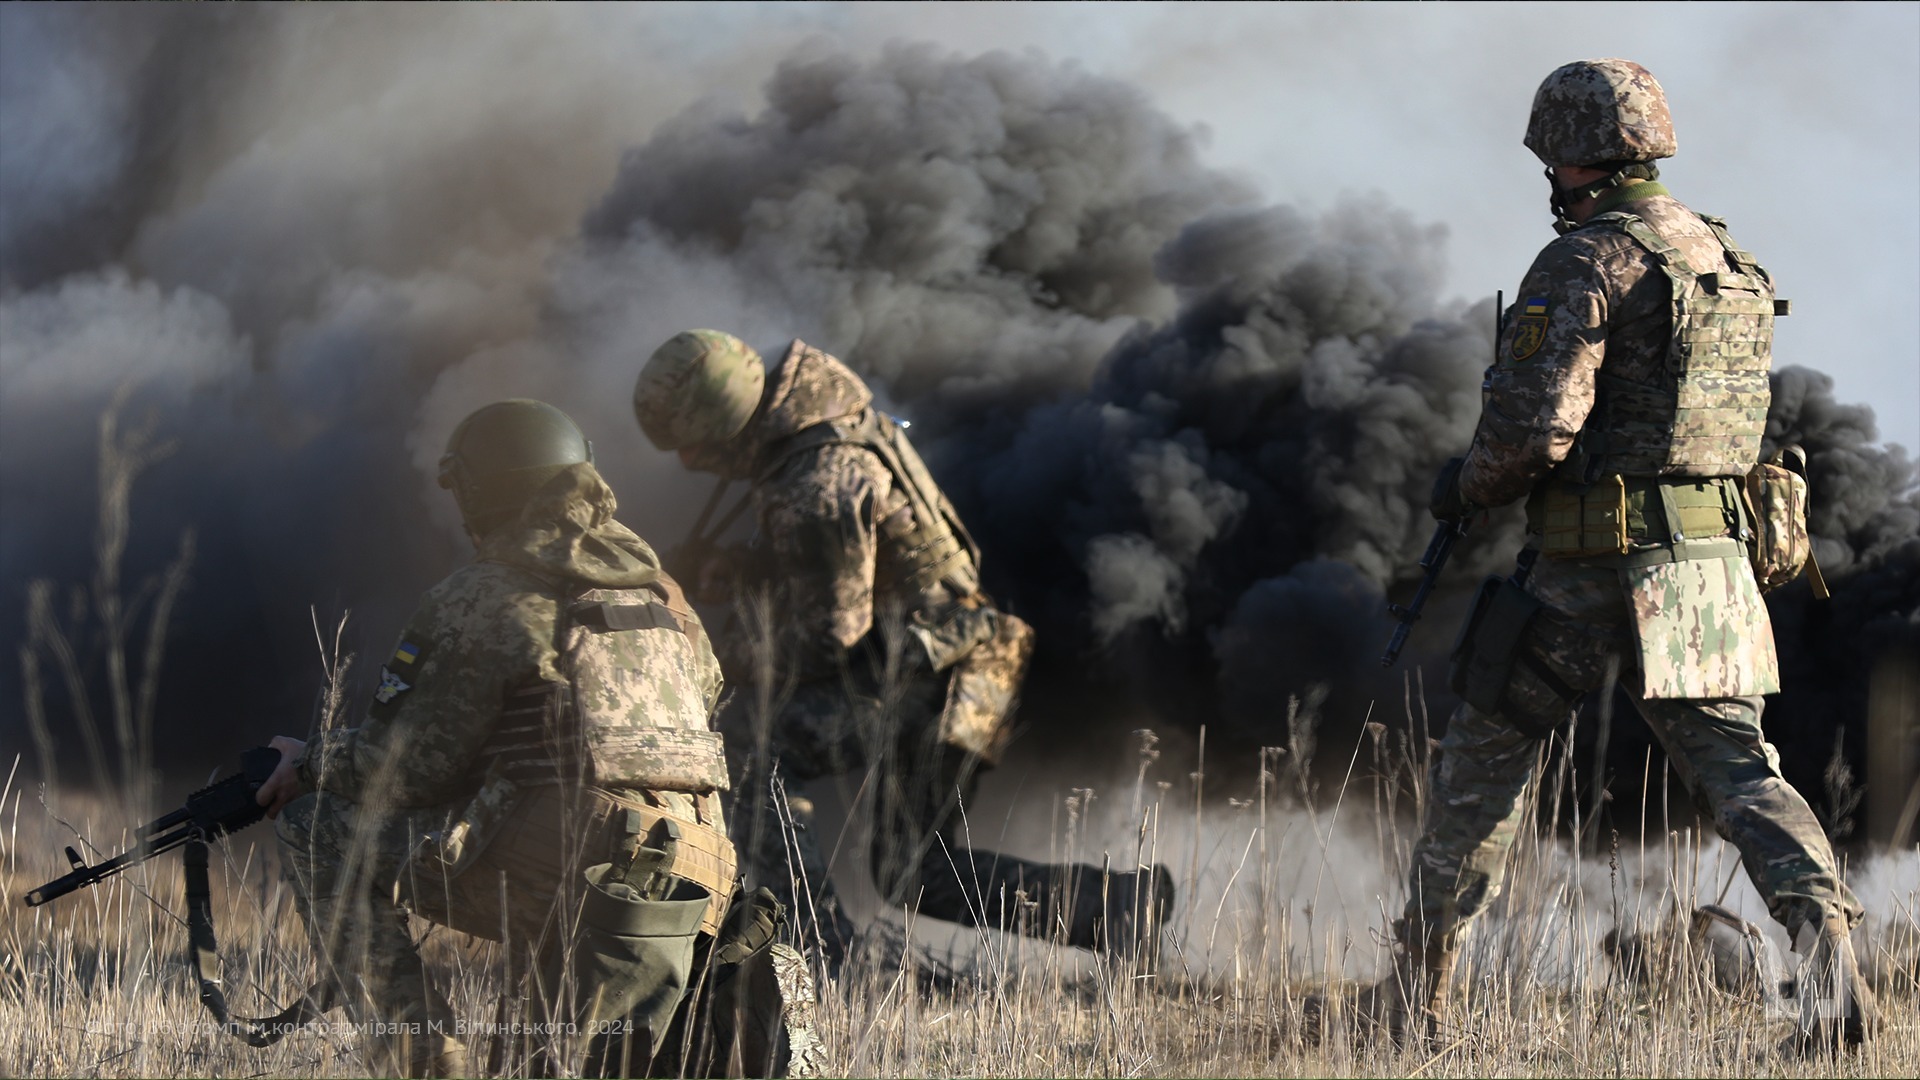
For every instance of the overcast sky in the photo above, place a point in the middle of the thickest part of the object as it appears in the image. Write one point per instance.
(1799, 123)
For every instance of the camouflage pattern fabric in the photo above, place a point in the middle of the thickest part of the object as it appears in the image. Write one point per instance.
(699, 387)
(856, 644)
(1703, 630)
(1595, 111)
(1594, 299)
(1716, 744)
(388, 797)
(1686, 632)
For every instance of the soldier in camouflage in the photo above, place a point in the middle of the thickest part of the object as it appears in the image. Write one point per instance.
(1627, 401)
(879, 651)
(536, 767)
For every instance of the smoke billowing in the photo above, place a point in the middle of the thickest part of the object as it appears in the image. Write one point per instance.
(1193, 433)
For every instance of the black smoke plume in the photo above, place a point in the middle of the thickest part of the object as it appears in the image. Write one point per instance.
(1193, 433)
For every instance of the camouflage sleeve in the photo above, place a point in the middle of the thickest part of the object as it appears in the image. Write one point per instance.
(440, 693)
(817, 523)
(1540, 390)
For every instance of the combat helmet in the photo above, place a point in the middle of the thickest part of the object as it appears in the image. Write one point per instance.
(698, 389)
(504, 452)
(1599, 113)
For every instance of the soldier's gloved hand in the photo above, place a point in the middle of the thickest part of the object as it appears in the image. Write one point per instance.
(1447, 503)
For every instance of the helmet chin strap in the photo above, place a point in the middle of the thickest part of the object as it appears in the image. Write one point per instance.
(1619, 172)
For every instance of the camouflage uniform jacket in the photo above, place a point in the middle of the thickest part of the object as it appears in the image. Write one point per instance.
(487, 631)
(1606, 301)
(819, 514)
(1700, 625)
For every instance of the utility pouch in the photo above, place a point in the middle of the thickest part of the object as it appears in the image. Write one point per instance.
(1776, 494)
(982, 689)
(632, 957)
(1581, 520)
(1490, 643)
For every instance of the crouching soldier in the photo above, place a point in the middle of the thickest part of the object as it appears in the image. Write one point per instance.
(538, 767)
(880, 650)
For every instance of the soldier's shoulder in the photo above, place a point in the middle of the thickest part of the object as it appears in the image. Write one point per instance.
(490, 594)
(828, 467)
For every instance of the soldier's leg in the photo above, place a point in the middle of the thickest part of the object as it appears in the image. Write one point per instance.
(342, 865)
(1734, 776)
(1724, 758)
(1473, 814)
(769, 758)
(1473, 810)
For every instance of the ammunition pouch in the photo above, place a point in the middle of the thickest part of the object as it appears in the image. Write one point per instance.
(985, 683)
(704, 855)
(1775, 494)
(538, 836)
(1492, 643)
(1685, 518)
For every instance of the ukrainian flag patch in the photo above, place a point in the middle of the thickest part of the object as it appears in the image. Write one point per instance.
(1529, 330)
(407, 653)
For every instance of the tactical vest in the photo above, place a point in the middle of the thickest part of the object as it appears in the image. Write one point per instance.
(935, 547)
(1704, 414)
(631, 714)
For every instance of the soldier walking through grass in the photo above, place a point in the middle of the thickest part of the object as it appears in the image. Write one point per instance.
(1626, 406)
(878, 651)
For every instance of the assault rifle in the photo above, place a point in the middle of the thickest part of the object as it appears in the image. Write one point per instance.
(223, 807)
(1438, 549)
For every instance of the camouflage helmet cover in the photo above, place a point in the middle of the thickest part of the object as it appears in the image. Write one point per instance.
(502, 453)
(698, 389)
(1596, 111)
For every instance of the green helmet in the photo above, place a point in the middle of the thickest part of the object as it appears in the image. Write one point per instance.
(698, 389)
(1596, 112)
(502, 453)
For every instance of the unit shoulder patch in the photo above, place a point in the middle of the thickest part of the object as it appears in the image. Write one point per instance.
(1529, 329)
(391, 687)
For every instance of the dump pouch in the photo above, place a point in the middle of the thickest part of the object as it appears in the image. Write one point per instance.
(632, 958)
(949, 633)
(752, 1014)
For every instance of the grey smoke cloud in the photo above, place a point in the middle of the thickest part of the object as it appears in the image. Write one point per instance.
(1193, 426)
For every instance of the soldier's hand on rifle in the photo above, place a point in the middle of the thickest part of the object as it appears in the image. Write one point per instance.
(1447, 503)
(284, 785)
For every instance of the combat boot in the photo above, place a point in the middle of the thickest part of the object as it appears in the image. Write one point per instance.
(1837, 1007)
(1409, 1002)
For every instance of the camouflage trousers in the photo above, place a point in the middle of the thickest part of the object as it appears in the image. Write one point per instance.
(1475, 809)
(355, 880)
(919, 855)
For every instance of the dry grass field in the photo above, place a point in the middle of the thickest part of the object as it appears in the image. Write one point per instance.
(1281, 897)
(1285, 891)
